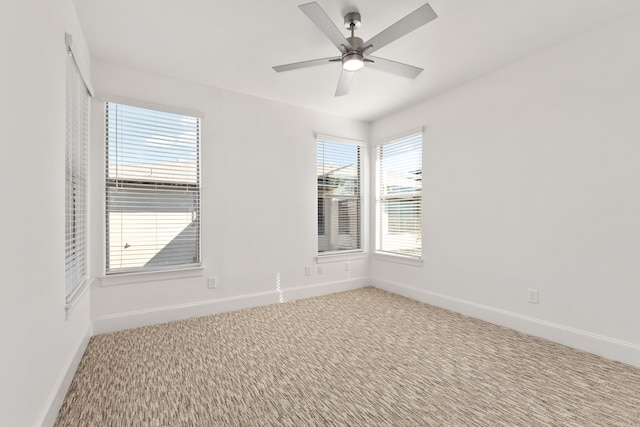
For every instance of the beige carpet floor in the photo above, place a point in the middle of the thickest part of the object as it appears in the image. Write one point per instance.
(357, 358)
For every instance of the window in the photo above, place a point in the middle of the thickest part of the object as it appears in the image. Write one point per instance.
(399, 197)
(339, 196)
(76, 146)
(152, 189)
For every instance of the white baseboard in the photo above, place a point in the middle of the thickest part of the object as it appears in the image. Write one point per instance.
(300, 292)
(601, 345)
(59, 393)
(139, 318)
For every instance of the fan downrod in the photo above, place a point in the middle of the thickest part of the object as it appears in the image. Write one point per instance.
(353, 21)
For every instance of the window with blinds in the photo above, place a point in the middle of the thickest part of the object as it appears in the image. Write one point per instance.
(152, 189)
(399, 197)
(76, 146)
(339, 196)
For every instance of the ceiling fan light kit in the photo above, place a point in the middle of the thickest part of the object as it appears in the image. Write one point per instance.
(354, 52)
(352, 61)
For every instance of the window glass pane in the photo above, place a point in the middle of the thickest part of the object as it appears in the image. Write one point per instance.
(339, 206)
(399, 225)
(152, 189)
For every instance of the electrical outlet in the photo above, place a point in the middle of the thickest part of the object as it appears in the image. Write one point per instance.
(532, 296)
(320, 270)
(212, 282)
(307, 271)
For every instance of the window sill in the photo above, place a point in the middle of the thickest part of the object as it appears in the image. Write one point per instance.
(400, 259)
(150, 276)
(325, 259)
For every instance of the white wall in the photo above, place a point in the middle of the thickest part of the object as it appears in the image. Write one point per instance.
(532, 180)
(258, 203)
(38, 345)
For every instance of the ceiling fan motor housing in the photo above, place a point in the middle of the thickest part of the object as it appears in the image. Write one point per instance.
(355, 42)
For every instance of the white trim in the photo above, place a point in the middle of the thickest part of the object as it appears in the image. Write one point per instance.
(398, 136)
(299, 292)
(150, 276)
(149, 105)
(59, 392)
(401, 259)
(107, 185)
(323, 137)
(340, 257)
(139, 318)
(608, 347)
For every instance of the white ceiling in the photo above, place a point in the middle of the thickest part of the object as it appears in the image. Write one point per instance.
(233, 44)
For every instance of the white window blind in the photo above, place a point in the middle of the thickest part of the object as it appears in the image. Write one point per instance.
(152, 189)
(76, 146)
(339, 196)
(399, 201)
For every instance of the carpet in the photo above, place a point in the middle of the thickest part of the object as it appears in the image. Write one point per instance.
(359, 358)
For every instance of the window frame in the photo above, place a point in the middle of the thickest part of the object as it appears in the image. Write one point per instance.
(154, 273)
(389, 255)
(360, 199)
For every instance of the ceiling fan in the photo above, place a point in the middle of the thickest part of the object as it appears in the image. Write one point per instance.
(354, 52)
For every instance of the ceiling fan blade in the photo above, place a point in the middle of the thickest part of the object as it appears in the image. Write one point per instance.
(326, 25)
(304, 64)
(394, 67)
(345, 82)
(412, 21)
